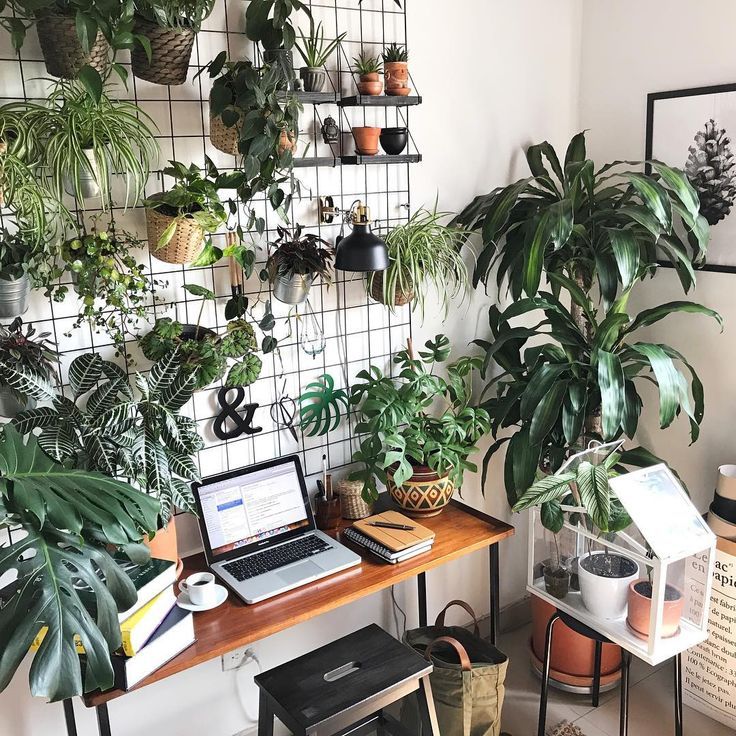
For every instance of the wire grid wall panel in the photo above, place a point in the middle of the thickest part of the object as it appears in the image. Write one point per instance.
(358, 332)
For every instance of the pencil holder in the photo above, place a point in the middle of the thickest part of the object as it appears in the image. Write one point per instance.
(328, 514)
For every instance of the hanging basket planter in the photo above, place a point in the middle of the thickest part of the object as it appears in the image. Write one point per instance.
(62, 51)
(223, 138)
(184, 246)
(402, 296)
(423, 495)
(171, 51)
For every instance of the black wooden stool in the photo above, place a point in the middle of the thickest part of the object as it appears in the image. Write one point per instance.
(600, 640)
(344, 686)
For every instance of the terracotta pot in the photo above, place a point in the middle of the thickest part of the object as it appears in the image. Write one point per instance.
(164, 546)
(396, 74)
(640, 608)
(366, 140)
(287, 142)
(572, 655)
(424, 494)
(370, 84)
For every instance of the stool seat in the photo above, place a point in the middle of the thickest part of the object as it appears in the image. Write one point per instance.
(360, 669)
(580, 628)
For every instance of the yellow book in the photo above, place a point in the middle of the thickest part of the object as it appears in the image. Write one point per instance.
(40, 637)
(138, 628)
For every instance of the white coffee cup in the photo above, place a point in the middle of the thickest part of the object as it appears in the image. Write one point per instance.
(200, 588)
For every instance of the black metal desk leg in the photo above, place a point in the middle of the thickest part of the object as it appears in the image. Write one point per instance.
(71, 724)
(265, 716)
(422, 594)
(542, 725)
(678, 695)
(624, 717)
(597, 674)
(103, 720)
(494, 592)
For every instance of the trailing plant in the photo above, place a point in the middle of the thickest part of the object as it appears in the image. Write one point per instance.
(176, 14)
(297, 254)
(134, 432)
(63, 525)
(118, 134)
(314, 49)
(366, 64)
(251, 99)
(423, 252)
(395, 53)
(268, 22)
(28, 362)
(609, 225)
(205, 355)
(15, 255)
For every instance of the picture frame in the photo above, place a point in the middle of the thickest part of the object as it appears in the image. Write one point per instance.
(678, 133)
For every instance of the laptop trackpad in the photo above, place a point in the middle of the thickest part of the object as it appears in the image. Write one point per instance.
(302, 571)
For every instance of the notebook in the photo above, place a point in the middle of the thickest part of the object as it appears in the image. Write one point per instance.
(395, 540)
(384, 553)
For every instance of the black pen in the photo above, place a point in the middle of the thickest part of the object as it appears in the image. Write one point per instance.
(390, 525)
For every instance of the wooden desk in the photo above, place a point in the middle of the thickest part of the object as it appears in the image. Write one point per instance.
(459, 531)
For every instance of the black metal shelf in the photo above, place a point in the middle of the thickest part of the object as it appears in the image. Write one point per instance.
(303, 163)
(379, 101)
(404, 158)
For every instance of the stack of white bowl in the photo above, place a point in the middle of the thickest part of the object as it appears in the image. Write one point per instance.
(722, 512)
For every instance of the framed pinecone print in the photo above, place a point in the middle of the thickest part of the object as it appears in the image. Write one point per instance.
(695, 130)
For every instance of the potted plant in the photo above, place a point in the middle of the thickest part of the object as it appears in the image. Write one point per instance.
(296, 261)
(27, 368)
(15, 286)
(203, 353)
(556, 571)
(315, 51)
(639, 608)
(366, 140)
(369, 69)
(86, 139)
(177, 219)
(60, 548)
(422, 253)
(396, 70)
(166, 30)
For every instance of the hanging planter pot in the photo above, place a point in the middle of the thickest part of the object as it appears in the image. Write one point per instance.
(366, 140)
(292, 289)
(423, 495)
(11, 405)
(223, 138)
(604, 579)
(640, 608)
(89, 178)
(186, 243)
(14, 297)
(62, 52)
(370, 84)
(171, 50)
(403, 293)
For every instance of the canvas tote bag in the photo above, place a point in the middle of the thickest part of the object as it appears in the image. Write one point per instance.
(467, 681)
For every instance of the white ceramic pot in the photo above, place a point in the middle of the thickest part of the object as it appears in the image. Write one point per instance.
(606, 596)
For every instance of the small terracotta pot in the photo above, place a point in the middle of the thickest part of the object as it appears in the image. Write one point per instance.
(370, 84)
(287, 142)
(396, 74)
(425, 494)
(164, 545)
(366, 140)
(640, 608)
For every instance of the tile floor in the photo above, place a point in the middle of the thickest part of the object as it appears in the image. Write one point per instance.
(651, 707)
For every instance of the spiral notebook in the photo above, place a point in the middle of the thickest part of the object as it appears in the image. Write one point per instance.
(394, 540)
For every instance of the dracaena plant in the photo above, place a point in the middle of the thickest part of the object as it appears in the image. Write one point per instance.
(64, 523)
(128, 431)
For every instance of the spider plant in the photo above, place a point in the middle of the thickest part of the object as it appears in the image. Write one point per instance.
(314, 49)
(365, 64)
(176, 14)
(87, 138)
(423, 252)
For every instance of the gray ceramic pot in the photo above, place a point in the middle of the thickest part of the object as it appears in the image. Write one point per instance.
(11, 406)
(14, 297)
(314, 78)
(294, 289)
(88, 178)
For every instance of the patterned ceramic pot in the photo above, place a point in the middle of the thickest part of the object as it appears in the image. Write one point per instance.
(424, 494)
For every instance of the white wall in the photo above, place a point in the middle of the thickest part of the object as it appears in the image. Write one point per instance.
(629, 49)
(496, 76)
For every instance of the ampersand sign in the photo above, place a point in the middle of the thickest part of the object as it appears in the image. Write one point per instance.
(230, 412)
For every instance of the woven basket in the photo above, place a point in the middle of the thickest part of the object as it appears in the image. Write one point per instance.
(351, 501)
(170, 53)
(184, 247)
(401, 297)
(223, 138)
(62, 50)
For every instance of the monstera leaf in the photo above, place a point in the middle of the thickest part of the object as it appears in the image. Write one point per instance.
(321, 406)
(63, 522)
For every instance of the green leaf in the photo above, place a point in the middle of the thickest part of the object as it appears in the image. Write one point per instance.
(650, 316)
(613, 395)
(626, 252)
(548, 488)
(552, 516)
(592, 482)
(539, 384)
(655, 197)
(84, 373)
(576, 149)
(244, 372)
(92, 82)
(681, 186)
(547, 413)
(668, 380)
(203, 291)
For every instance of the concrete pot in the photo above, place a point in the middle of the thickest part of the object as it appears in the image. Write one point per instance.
(313, 78)
(604, 583)
(14, 297)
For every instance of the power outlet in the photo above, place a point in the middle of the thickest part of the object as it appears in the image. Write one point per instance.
(236, 658)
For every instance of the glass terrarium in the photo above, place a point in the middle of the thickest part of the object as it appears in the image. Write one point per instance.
(647, 587)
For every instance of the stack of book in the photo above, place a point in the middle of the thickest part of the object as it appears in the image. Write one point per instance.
(154, 630)
(391, 536)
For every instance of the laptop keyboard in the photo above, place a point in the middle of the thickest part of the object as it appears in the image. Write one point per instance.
(271, 559)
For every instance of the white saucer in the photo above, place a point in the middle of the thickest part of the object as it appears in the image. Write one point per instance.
(183, 601)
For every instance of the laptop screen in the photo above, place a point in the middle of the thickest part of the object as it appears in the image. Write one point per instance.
(252, 506)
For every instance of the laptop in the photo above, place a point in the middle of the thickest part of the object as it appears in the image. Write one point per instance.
(259, 534)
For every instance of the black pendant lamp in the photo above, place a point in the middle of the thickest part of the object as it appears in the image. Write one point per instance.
(361, 250)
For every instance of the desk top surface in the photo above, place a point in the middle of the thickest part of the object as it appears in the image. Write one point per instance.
(459, 531)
